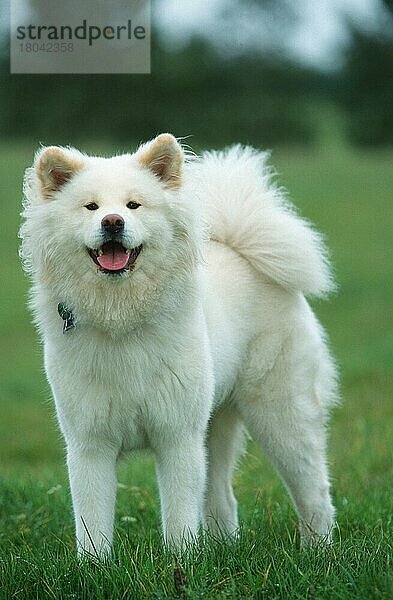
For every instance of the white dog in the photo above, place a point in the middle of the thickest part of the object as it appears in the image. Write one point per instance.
(170, 296)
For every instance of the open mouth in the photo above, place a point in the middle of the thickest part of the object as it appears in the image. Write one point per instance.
(114, 258)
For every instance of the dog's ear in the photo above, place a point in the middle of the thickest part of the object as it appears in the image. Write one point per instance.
(55, 166)
(164, 157)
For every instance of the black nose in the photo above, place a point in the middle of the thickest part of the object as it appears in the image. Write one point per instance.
(112, 224)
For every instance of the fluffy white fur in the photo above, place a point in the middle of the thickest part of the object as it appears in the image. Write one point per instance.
(210, 334)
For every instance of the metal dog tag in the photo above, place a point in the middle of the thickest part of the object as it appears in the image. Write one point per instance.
(67, 316)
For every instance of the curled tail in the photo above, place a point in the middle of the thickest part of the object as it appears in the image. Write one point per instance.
(249, 214)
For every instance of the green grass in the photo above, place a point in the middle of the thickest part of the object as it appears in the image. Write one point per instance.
(349, 197)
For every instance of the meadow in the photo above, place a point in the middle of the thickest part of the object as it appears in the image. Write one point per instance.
(349, 196)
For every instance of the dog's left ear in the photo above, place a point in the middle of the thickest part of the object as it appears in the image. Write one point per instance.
(164, 157)
(55, 166)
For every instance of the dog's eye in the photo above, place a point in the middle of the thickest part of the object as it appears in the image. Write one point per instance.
(91, 206)
(132, 205)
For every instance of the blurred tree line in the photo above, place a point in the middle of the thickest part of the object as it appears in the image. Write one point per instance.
(262, 98)
(365, 85)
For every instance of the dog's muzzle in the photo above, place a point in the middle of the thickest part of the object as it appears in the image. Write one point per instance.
(112, 256)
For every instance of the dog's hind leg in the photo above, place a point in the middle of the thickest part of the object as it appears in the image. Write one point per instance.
(225, 443)
(287, 419)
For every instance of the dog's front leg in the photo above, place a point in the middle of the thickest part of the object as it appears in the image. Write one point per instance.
(181, 471)
(92, 473)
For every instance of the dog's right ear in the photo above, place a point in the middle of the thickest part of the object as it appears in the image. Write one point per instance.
(55, 166)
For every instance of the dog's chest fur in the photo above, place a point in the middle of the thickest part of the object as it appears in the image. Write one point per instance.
(127, 390)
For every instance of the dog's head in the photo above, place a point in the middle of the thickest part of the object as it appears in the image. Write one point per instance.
(99, 220)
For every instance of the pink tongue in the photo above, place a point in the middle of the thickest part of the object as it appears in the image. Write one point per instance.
(113, 259)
